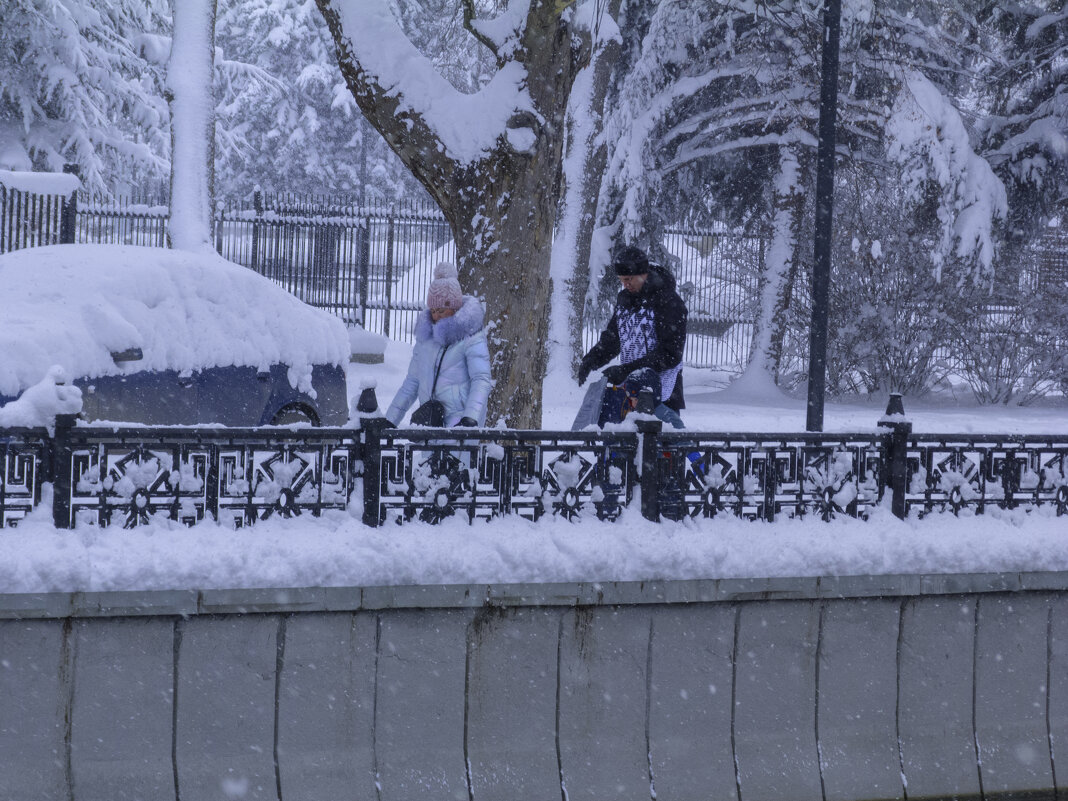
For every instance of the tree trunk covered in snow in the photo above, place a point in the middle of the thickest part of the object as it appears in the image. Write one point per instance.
(587, 137)
(781, 261)
(789, 210)
(502, 205)
(190, 73)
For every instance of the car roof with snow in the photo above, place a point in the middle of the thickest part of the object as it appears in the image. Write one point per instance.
(76, 305)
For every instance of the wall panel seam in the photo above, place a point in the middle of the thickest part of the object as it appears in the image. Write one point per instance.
(559, 682)
(279, 665)
(897, 697)
(177, 648)
(734, 700)
(975, 700)
(648, 708)
(374, 709)
(1049, 688)
(468, 645)
(816, 717)
(66, 674)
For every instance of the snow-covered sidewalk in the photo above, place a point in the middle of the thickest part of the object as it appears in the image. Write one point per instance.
(338, 550)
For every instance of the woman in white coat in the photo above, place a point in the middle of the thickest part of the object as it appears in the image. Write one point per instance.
(452, 322)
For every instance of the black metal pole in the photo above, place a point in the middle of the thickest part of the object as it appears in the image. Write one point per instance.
(68, 215)
(821, 268)
(896, 442)
(61, 470)
(650, 461)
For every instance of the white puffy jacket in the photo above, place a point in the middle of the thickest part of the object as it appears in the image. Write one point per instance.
(464, 382)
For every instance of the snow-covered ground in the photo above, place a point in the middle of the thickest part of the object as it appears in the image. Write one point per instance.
(338, 550)
(709, 408)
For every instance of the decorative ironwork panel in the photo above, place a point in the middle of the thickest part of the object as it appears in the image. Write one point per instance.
(759, 477)
(489, 473)
(23, 455)
(966, 475)
(239, 476)
(287, 479)
(127, 483)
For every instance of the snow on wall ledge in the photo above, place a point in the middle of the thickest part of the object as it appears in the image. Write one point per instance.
(833, 688)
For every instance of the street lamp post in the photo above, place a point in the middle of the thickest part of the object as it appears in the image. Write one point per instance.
(821, 268)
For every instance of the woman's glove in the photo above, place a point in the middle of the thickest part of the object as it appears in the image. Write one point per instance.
(468, 422)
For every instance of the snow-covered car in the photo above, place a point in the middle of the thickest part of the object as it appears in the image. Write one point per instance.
(168, 337)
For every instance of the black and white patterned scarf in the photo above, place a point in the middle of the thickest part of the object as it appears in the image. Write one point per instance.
(637, 336)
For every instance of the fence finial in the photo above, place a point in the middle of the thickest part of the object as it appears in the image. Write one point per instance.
(368, 402)
(894, 406)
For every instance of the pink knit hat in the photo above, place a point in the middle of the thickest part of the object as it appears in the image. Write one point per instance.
(445, 290)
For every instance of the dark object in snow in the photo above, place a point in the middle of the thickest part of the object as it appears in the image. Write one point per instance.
(620, 400)
(590, 410)
(606, 403)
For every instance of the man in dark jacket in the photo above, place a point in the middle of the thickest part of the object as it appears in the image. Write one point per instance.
(647, 329)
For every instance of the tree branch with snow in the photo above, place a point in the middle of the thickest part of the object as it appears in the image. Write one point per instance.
(490, 158)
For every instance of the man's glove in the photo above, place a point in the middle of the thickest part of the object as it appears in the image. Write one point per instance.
(583, 372)
(468, 422)
(617, 374)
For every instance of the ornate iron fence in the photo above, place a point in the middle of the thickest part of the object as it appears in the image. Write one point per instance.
(433, 474)
(30, 219)
(237, 476)
(25, 464)
(764, 476)
(975, 472)
(126, 476)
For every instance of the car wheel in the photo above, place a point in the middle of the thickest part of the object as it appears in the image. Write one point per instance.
(288, 415)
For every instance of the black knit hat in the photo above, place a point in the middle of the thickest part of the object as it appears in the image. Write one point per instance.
(631, 261)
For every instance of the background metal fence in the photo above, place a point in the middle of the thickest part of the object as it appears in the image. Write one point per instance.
(124, 221)
(30, 220)
(718, 275)
(371, 263)
(367, 263)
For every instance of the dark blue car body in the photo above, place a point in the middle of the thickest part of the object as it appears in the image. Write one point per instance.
(230, 396)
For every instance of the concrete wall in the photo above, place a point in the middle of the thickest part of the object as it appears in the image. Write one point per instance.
(772, 690)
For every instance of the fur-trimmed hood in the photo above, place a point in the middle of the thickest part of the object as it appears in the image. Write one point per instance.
(463, 380)
(450, 330)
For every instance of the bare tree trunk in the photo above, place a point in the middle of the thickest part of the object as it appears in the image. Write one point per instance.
(190, 75)
(501, 207)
